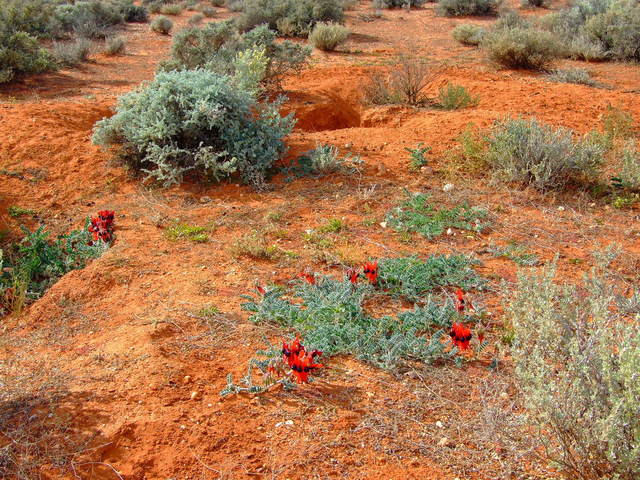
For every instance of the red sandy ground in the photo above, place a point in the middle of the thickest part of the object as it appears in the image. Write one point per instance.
(123, 333)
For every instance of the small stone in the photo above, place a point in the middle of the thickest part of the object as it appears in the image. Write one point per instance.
(426, 170)
(186, 379)
(444, 442)
(504, 396)
(448, 187)
(561, 208)
(449, 231)
(348, 145)
(383, 224)
(439, 424)
(195, 395)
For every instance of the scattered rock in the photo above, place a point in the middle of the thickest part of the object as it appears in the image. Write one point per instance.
(561, 208)
(439, 424)
(287, 423)
(448, 187)
(186, 379)
(195, 395)
(383, 224)
(449, 231)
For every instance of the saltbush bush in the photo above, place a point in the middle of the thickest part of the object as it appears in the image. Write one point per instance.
(398, 3)
(577, 358)
(453, 97)
(327, 36)
(455, 8)
(196, 121)
(290, 17)
(72, 54)
(522, 48)
(578, 76)
(469, 34)
(88, 19)
(530, 153)
(115, 45)
(162, 25)
(220, 48)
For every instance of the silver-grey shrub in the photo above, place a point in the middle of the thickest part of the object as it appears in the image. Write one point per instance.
(469, 34)
(456, 8)
(531, 153)
(199, 122)
(577, 367)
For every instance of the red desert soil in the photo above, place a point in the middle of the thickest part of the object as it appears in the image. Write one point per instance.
(123, 337)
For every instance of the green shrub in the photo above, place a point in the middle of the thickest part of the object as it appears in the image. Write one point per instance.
(162, 25)
(21, 54)
(327, 36)
(453, 97)
(530, 153)
(577, 358)
(290, 17)
(617, 30)
(72, 54)
(323, 160)
(618, 123)
(469, 34)
(196, 121)
(522, 48)
(32, 17)
(418, 215)
(220, 48)
(115, 45)
(171, 9)
(534, 3)
(456, 8)
(235, 5)
(418, 156)
(578, 76)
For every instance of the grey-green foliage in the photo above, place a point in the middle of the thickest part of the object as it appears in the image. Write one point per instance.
(216, 47)
(196, 121)
(629, 174)
(290, 17)
(324, 160)
(88, 19)
(453, 97)
(327, 36)
(598, 29)
(413, 278)
(330, 317)
(162, 24)
(578, 76)
(531, 153)
(577, 364)
(455, 8)
(398, 3)
(418, 214)
(469, 34)
(522, 47)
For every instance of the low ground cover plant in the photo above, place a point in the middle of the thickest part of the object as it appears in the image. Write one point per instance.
(519, 47)
(469, 34)
(323, 160)
(196, 122)
(417, 214)
(162, 25)
(403, 84)
(31, 266)
(329, 313)
(453, 97)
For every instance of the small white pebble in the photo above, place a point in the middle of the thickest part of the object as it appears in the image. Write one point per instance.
(439, 424)
(448, 187)
(449, 231)
(383, 224)
(561, 208)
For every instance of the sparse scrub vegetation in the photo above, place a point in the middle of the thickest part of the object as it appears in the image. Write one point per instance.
(453, 97)
(404, 84)
(418, 157)
(295, 18)
(220, 48)
(166, 129)
(170, 9)
(398, 3)
(328, 36)
(578, 76)
(183, 231)
(469, 34)
(530, 153)
(72, 54)
(162, 25)
(457, 8)
(324, 160)
(115, 46)
(522, 48)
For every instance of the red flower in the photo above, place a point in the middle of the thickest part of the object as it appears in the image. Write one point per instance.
(303, 364)
(260, 289)
(461, 302)
(460, 336)
(352, 275)
(289, 352)
(371, 272)
(101, 226)
(308, 277)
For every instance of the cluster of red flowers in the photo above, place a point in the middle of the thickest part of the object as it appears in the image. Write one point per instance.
(300, 361)
(461, 334)
(310, 278)
(101, 226)
(369, 269)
